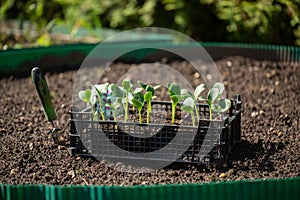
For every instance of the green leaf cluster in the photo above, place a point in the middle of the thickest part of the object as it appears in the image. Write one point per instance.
(148, 96)
(214, 94)
(117, 98)
(213, 100)
(176, 96)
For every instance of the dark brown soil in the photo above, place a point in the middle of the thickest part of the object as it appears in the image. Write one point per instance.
(270, 146)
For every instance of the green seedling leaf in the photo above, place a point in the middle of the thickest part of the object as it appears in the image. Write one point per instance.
(148, 96)
(175, 95)
(127, 85)
(225, 104)
(130, 97)
(142, 84)
(185, 93)
(81, 95)
(198, 90)
(118, 94)
(195, 96)
(138, 96)
(188, 106)
(220, 87)
(222, 106)
(188, 109)
(149, 88)
(85, 95)
(216, 108)
(189, 102)
(175, 99)
(174, 89)
(138, 102)
(212, 95)
(117, 91)
(117, 103)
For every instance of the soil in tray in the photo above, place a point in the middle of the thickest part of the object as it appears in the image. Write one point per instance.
(270, 130)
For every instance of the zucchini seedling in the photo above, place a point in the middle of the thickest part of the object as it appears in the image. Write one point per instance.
(188, 106)
(138, 101)
(86, 96)
(186, 93)
(116, 100)
(127, 87)
(175, 95)
(148, 97)
(214, 94)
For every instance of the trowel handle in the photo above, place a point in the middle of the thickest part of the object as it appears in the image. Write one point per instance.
(43, 92)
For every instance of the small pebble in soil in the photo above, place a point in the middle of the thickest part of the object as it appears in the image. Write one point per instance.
(229, 63)
(222, 175)
(254, 114)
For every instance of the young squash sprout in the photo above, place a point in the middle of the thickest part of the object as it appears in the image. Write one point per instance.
(138, 101)
(106, 100)
(116, 100)
(186, 93)
(214, 94)
(101, 95)
(188, 106)
(127, 87)
(148, 97)
(175, 95)
(85, 96)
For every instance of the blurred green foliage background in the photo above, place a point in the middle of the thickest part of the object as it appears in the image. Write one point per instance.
(252, 21)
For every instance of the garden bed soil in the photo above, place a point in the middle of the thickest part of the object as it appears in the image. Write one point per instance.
(270, 130)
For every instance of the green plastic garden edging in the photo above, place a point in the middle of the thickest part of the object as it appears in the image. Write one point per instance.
(273, 189)
(58, 58)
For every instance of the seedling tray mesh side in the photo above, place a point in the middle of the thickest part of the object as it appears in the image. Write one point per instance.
(144, 138)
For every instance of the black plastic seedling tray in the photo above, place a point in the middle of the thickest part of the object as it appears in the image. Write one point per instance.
(225, 133)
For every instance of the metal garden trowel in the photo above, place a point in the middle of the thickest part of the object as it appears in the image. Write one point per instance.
(44, 95)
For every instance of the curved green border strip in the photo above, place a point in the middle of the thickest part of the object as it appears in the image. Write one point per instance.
(272, 189)
(12, 61)
(270, 51)
(57, 58)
